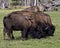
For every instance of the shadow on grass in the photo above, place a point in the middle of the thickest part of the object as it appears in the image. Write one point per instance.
(29, 38)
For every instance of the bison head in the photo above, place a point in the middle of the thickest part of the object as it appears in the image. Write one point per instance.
(50, 30)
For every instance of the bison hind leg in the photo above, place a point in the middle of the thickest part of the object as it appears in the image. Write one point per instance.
(4, 33)
(9, 34)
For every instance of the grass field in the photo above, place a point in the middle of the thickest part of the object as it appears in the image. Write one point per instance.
(49, 42)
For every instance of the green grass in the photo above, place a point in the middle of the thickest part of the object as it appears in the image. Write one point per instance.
(49, 42)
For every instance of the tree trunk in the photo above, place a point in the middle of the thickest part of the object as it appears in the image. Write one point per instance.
(25, 2)
(35, 2)
(28, 2)
(3, 6)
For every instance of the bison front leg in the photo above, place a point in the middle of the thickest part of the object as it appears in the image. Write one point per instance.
(24, 34)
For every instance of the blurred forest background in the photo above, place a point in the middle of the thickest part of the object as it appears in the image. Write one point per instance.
(45, 5)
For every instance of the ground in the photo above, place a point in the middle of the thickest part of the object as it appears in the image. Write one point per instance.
(49, 42)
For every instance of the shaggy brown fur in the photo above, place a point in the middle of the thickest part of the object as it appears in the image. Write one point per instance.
(25, 20)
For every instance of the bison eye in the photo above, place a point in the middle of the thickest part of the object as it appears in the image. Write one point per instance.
(46, 28)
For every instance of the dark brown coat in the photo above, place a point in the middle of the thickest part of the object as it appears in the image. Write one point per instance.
(18, 21)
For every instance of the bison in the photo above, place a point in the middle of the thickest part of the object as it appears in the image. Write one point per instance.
(17, 21)
(44, 21)
(44, 25)
(37, 24)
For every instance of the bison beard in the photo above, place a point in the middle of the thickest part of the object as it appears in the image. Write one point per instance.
(37, 24)
(42, 31)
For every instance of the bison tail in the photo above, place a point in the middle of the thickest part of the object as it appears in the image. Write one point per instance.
(4, 21)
